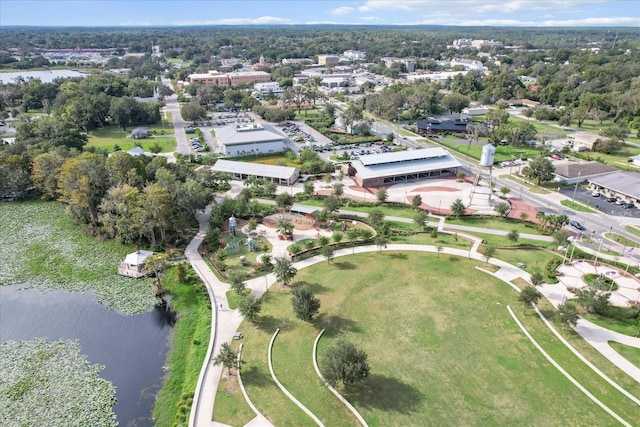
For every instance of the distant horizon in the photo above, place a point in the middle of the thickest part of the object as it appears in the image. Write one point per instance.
(370, 13)
(168, 26)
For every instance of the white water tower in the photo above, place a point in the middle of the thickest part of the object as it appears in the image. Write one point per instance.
(488, 156)
(486, 161)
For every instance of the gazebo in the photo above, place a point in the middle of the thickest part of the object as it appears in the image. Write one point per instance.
(133, 264)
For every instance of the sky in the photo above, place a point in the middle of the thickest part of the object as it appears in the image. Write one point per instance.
(539, 13)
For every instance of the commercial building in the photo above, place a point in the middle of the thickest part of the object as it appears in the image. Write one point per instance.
(621, 185)
(583, 141)
(431, 125)
(354, 55)
(282, 175)
(573, 172)
(244, 140)
(265, 88)
(402, 166)
(229, 79)
(408, 63)
(328, 59)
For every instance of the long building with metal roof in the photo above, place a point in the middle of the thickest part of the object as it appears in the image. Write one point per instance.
(250, 139)
(624, 185)
(283, 175)
(401, 166)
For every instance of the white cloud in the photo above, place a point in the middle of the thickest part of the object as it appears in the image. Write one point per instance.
(136, 24)
(238, 21)
(476, 6)
(370, 18)
(343, 10)
(586, 22)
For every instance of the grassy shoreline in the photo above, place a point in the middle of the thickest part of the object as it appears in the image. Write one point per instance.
(189, 342)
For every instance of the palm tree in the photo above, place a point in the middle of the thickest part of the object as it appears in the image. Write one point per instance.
(284, 226)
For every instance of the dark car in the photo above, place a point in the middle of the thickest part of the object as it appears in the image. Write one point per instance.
(611, 199)
(577, 225)
(628, 206)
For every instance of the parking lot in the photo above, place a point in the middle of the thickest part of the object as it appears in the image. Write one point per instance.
(600, 203)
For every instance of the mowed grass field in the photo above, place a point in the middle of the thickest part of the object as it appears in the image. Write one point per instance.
(106, 138)
(442, 347)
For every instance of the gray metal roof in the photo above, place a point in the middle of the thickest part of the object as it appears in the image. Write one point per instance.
(403, 156)
(255, 169)
(627, 183)
(229, 135)
(404, 162)
(305, 209)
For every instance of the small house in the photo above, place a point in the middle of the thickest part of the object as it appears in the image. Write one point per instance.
(140, 133)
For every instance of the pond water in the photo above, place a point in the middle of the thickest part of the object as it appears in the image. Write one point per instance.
(46, 76)
(133, 349)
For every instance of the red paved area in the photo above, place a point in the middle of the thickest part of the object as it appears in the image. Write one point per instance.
(441, 211)
(518, 206)
(434, 188)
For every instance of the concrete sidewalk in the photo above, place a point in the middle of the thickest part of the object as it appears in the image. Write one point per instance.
(225, 321)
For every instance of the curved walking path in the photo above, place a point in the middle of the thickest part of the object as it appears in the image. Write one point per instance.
(225, 321)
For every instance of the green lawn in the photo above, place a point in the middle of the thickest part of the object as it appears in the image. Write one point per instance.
(503, 152)
(632, 354)
(432, 340)
(494, 223)
(190, 340)
(621, 239)
(106, 138)
(576, 206)
(400, 211)
(533, 188)
(633, 230)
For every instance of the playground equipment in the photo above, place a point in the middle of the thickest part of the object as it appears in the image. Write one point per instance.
(252, 245)
(232, 246)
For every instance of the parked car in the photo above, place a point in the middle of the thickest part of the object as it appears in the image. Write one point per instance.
(628, 206)
(611, 199)
(577, 225)
(620, 202)
(595, 194)
(190, 130)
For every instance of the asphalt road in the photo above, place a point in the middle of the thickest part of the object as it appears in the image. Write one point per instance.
(172, 106)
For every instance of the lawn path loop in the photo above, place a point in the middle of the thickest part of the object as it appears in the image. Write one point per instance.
(566, 374)
(284, 390)
(333, 390)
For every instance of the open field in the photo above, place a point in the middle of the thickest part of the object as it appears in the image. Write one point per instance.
(106, 138)
(432, 345)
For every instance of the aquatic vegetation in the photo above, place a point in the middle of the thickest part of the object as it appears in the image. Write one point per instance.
(40, 245)
(50, 383)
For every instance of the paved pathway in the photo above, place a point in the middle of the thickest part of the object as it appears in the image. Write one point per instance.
(225, 321)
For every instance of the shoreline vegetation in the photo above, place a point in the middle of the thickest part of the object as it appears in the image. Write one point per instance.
(189, 341)
(50, 252)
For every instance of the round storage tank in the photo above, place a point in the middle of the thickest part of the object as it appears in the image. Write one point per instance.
(488, 155)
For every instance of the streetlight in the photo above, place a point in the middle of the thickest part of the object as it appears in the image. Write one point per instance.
(573, 199)
(439, 203)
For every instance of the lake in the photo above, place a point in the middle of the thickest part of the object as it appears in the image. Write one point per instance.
(133, 349)
(46, 76)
